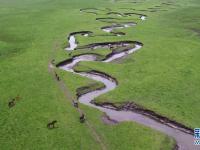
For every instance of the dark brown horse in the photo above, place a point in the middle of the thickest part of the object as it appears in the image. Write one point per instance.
(11, 103)
(82, 118)
(57, 77)
(51, 125)
(75, 103)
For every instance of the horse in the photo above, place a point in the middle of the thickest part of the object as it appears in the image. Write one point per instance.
(11, 103)
(82, 118)
(57, 77)
(51, 125)
(75, 103)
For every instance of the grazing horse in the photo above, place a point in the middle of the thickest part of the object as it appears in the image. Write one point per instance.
(82, 118)
(11, 103)
(57, 77)
(51, 125)
(75, 103)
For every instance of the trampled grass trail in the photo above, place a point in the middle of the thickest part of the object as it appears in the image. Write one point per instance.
(69, 96)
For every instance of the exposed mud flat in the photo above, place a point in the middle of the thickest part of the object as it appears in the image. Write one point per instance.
(106, 119)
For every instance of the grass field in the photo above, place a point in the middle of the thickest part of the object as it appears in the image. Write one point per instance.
(162, 76)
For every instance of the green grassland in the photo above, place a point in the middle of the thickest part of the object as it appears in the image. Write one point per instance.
(162, 76)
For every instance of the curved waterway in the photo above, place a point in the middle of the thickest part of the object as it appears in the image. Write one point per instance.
(183, 136)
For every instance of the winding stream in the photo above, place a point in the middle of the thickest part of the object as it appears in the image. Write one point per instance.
(183, 137)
